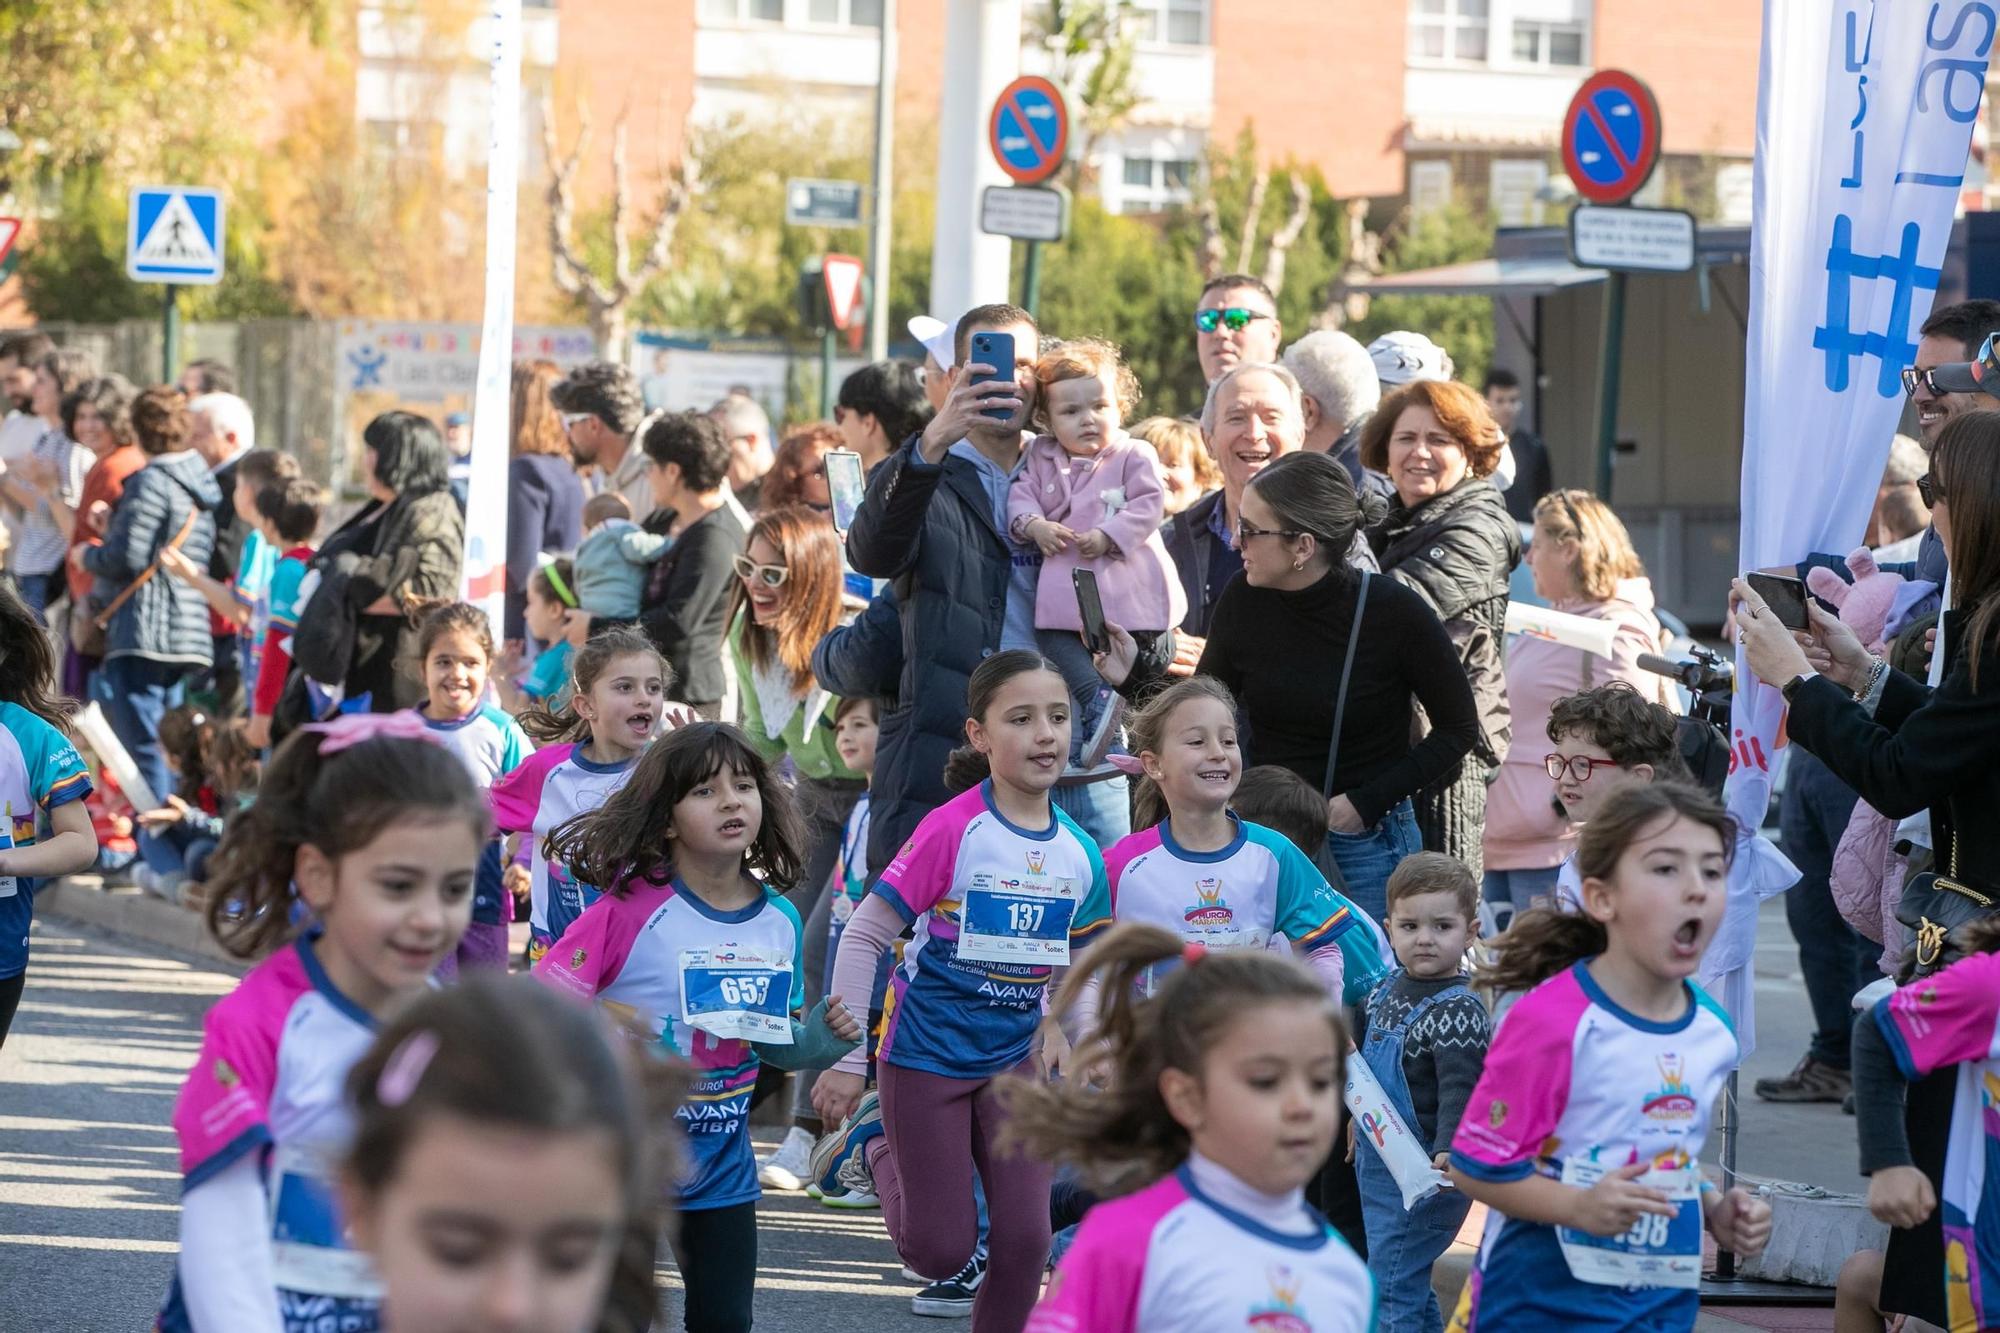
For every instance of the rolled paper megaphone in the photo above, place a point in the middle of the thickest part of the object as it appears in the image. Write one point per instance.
(1380, 1129)
(1539, 622)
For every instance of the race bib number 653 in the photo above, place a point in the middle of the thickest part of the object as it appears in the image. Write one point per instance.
(737, 992)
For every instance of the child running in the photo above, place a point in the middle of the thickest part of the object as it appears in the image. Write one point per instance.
(380, 832)
(706, 958)
(1001, 888)
(1423, 1034)
(1950, 1017)
(45, 828)
(455, 645)
(617, 701)
(1584, 1131)
(465, 1094)
(1210, 877)
(1223, 1103)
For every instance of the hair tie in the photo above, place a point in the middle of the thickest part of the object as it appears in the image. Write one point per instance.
(351, 729)
(1129, 764)
(1192, 953)
(405, 1067)
(557, 586)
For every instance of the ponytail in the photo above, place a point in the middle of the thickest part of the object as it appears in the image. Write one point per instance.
(967, 767)
(552, 725)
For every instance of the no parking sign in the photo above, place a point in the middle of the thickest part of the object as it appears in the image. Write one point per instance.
(1611, 137)
(1029, 129)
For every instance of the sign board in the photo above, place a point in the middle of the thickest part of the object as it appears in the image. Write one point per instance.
(842, 275)
(173, 233)
(10, 231)
(1611, 137)
(686, 372)
(1029, 129)
(811, 203)
(1642, 240)
(1024, 212)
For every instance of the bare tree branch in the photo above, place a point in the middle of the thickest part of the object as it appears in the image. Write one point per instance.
(621, 200)
(1211, 239)
(572, 275)
(1286, 236)
(1253, 217)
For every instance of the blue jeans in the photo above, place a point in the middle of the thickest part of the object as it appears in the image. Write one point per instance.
(1366, 859)
(35, 590)
(1835, 960)
(1403, 1244)
(1103, 810)
(177, 849)
(1517, 890)
(135, 693)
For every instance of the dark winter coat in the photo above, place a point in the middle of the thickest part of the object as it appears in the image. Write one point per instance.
(1456, 551)
(166, 620)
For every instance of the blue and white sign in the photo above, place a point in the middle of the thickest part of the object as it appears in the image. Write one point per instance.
(173, 233)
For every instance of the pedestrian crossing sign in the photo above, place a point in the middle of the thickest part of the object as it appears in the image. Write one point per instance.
(173, 233)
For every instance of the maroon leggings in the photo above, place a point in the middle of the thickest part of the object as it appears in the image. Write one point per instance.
(931, 1123)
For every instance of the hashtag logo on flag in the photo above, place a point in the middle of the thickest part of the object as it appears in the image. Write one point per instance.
(1891, 346)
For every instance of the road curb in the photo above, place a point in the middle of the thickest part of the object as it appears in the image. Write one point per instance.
(132, 914)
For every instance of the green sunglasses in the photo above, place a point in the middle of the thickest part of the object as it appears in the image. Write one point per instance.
(1236, 317)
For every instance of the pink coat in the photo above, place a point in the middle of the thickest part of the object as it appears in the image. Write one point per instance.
(1119, 491)
(1523, 831)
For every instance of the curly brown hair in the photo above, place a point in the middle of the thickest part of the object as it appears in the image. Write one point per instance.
(1459, 409)
(800, 456)
(1083, 358)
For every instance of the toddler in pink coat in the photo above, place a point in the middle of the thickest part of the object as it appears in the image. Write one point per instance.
(1090, 496)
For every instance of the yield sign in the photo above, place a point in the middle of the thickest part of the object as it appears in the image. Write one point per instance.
(10, 231)
(842, 275)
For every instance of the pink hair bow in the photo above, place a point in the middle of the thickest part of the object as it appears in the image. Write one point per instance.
(1128, 764)
(351, 729)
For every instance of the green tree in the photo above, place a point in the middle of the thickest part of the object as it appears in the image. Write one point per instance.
(1462, 325)
(1092, 45)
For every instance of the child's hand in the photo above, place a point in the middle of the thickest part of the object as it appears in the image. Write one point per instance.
(1049, 536)
(1093, 544)
(835, 1095)
(1442, 1162)
(840, 1020)
(675, 716)
(1615, 1202)
(173, 812)
(257, 731)
(517, 881)
(176, 563)
(1901, 1196)
(1741, 1223)
(1053, 1056)
(1350, 1138)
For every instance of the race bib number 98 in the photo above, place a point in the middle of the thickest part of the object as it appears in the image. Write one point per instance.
(1656, 1252)
(737, 993)
(1022, 919)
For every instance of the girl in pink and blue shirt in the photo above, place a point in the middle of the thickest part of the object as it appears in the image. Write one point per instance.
(380, 831)
(1584, 1133)
(705, 960)
(1002, 889)
(1221, 1103)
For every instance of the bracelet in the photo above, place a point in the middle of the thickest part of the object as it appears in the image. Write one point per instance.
(1876, 670)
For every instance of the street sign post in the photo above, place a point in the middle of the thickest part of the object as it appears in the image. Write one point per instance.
(1024, 212)
(173, 236)
(833, 295)
(10, 231)
(1637, 240)
(817, 203)
(1029, 134)
(842, 276)
(1610, 146)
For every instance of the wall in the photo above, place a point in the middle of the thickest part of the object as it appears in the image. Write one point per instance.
(626, 55)
(1701, 65)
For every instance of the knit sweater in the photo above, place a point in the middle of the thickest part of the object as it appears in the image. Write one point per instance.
(1443, 1054)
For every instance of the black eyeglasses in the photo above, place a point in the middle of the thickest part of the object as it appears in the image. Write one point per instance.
(1244, 532)
(1236, 317)
(1915, 375)
(1929, 490)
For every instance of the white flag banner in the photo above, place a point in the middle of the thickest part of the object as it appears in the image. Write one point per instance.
(1865, 111)
(485, 581)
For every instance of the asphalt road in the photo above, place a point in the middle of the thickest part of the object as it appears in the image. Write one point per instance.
(88, 1166)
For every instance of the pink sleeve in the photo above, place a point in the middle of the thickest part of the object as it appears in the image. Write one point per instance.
(1948, 1018)
(592, 952)
(1024, 495)
(517, 797)
(1097, 1286)
(1521, 1094)
(1145, 501)
(1329, 964)
(224, 1107)
(1123, 852)
(920, 876)
(872, 929)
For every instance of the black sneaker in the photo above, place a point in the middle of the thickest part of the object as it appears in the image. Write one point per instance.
(952, 1298)
(1810, 1081)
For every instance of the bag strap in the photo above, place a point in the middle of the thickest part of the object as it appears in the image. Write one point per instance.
(1346, 675)
(103, 618)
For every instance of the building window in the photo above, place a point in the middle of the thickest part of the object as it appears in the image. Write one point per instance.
(845, 13)
(1173, 22)
(742, 11)
(1558, 45)
(1452, 30)
(1430, 187)
(1154, 184)
(1512, 187)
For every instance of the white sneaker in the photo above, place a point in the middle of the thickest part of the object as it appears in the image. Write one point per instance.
(788, 1167)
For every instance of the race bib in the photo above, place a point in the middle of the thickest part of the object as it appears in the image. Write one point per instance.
(1018, 919)
(1656, 1252)
(739, 993)
(309, 1243)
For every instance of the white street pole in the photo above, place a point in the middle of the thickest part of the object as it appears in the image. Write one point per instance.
(882, 223)
(982, 54)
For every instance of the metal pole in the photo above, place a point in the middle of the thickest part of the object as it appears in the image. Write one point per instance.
(1031, 278)
(1725, 1261)
(882, 220)
(170, 335)
(826, 375)
(1611, 357)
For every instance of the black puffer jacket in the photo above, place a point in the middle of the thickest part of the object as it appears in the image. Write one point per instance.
(1456, 551)
(166, 620)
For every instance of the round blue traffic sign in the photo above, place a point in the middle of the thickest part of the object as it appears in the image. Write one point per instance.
(1611, 137)
(1029, 129)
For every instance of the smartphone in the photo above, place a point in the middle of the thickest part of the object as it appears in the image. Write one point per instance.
(995, 350)
(1785, 595)
(845, 486)
(1091, 609)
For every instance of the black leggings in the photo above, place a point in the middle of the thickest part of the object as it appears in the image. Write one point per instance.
(716, 1249)
(10, 999)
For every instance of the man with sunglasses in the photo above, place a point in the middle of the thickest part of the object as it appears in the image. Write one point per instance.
(602, 414)
(1235, 323)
